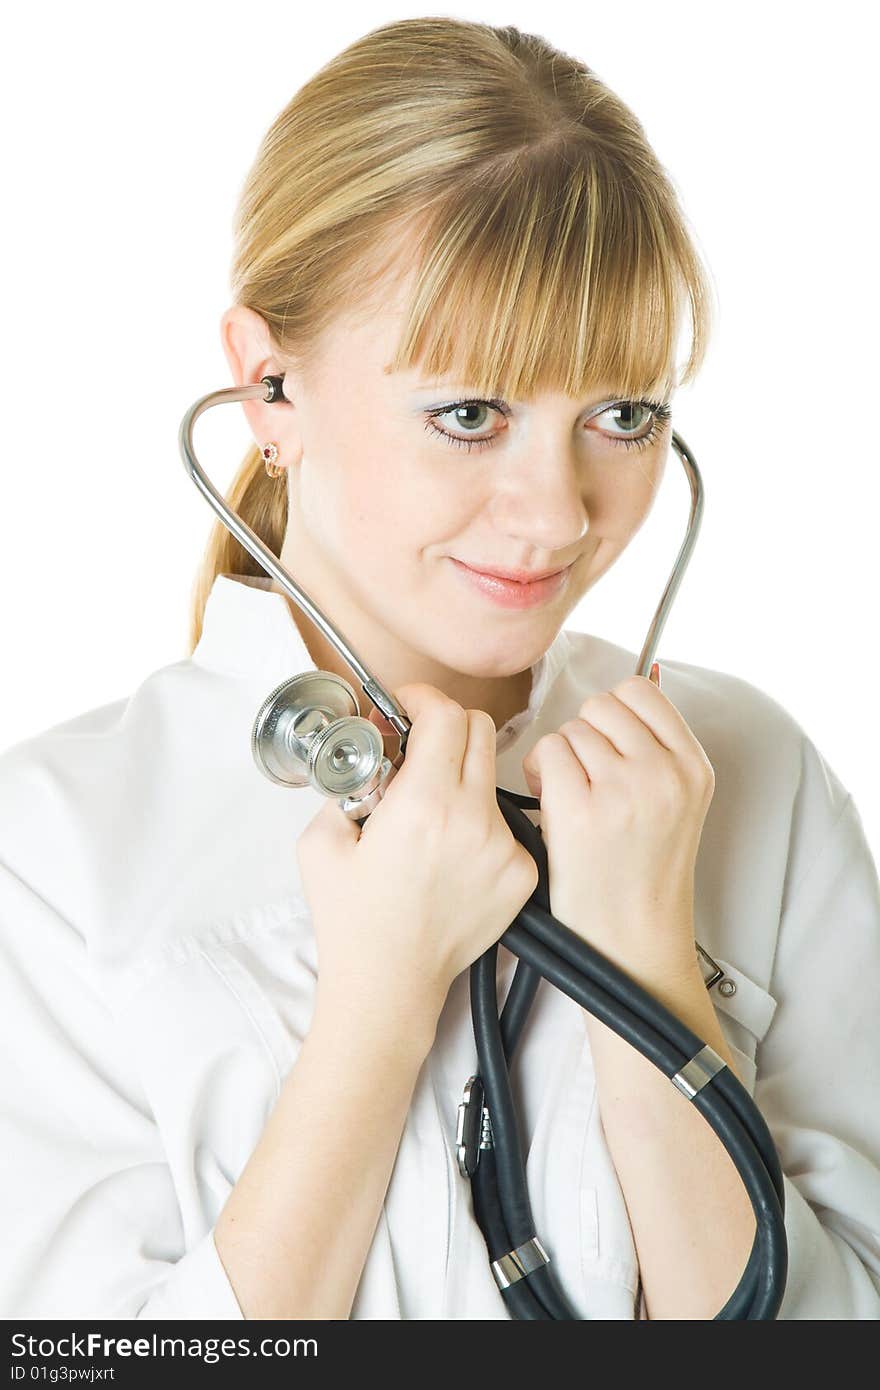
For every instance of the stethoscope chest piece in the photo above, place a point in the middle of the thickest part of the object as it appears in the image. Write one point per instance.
(308, 732)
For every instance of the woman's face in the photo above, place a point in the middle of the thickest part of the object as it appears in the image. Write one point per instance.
(382, 505)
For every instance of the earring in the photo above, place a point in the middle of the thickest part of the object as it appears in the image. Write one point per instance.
(270, 454)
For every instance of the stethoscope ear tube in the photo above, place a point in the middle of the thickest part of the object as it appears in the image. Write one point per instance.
(547, 948)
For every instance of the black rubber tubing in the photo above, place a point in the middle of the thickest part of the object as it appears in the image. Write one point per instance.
(511, 1177)
(548, 949)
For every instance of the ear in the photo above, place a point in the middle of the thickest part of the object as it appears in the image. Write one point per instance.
(244, 337)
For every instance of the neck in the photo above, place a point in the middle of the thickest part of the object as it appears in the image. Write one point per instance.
(501, 697)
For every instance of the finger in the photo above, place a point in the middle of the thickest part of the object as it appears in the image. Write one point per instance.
(390, 736)
(563, 779)
(622, 726)
(331, 826)
(596, 754)
(657, 712)
(437, 740)
(479, 765)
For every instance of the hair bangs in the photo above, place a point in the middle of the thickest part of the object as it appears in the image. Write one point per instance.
(530, 281)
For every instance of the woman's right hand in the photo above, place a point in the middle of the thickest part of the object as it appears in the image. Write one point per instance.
(404, 902)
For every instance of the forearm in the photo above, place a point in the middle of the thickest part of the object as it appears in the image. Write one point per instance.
(296, 1229)
(691, 1217)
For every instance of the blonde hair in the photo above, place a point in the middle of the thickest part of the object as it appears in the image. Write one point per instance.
(548, 244)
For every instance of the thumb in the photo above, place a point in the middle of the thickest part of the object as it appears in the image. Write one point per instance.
(413, 698)
(389, 734)
(532, 776)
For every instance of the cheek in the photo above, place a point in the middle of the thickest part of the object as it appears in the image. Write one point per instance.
(389, 504)
(344, 489)
(620, 498)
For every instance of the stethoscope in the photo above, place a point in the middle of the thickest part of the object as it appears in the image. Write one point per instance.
(308, 732)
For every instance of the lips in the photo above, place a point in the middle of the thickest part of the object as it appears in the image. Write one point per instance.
(514, 593)
(515, 576)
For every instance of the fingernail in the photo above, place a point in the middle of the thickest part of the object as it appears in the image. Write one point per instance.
(655, 674)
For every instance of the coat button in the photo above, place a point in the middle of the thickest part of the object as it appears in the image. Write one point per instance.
(727, 987)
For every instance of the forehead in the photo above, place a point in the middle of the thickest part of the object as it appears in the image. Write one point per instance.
(364, 338)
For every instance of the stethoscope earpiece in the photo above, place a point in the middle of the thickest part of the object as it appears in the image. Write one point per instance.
(276, 386)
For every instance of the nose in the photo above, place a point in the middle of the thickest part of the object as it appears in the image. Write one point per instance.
(543, 499)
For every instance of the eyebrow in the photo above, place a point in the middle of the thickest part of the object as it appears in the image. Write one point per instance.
(606, 397)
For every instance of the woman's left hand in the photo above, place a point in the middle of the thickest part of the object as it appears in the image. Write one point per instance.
(624, 790)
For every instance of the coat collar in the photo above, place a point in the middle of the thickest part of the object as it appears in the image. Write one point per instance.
(248, 630)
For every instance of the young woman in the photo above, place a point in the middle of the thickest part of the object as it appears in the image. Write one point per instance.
(237, 1025)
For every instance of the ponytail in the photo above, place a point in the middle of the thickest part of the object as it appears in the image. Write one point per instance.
(260, 501)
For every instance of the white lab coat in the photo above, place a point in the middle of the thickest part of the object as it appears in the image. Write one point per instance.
(157, 974)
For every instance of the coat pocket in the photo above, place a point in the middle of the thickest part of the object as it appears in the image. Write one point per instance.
(745, 1010)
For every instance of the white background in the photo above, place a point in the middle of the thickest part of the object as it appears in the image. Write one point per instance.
(126, 135)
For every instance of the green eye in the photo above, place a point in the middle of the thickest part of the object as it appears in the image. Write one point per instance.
(658, 415)
(457, 407)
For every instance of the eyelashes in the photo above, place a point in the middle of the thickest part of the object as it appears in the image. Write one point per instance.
(661, 414)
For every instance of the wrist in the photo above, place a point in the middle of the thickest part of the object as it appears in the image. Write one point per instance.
(682, 992)
(669, 978)
(647, 961)
(389, 1017)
